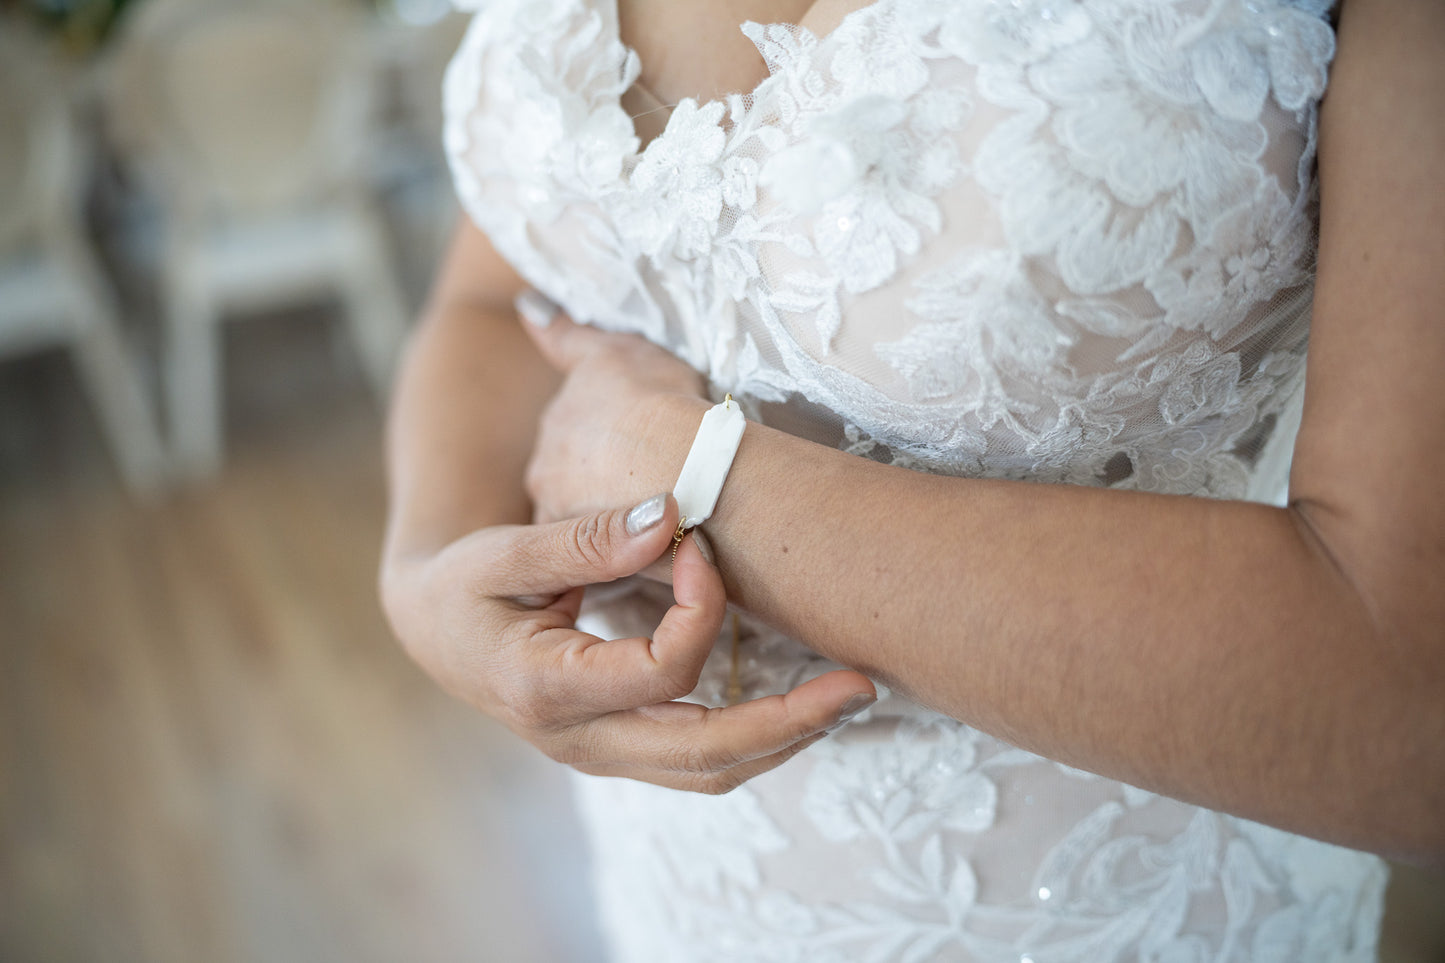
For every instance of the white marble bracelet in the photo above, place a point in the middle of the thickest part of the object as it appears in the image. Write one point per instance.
(708, 462)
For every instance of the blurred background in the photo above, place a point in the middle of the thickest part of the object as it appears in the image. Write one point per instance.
(216, 221)
(217, 218)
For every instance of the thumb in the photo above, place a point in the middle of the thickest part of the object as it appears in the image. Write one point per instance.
(595, 548)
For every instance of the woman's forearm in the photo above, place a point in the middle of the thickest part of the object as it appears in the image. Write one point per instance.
(461, 428)
(464, 416)
(1205, 649)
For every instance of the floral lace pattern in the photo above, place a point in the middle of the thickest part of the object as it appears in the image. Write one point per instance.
(1049, 240)
(921, 839)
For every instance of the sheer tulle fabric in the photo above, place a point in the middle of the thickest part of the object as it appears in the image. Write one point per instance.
(1038, 240)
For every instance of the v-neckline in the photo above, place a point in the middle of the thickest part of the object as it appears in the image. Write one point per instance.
(749, 96)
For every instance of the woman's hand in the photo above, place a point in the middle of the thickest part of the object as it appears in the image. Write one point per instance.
(592, 432)
(492, 618)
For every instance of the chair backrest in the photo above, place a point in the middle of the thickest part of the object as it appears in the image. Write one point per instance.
(35, 147)
(241, 105)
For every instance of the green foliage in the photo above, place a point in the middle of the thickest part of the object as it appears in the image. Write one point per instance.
(80, 25)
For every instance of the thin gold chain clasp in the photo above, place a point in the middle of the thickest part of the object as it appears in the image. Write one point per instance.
(682, 530)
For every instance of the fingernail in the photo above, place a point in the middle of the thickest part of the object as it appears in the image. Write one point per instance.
(704, 547)
(647, 515)
(535, 308)
(852, 708)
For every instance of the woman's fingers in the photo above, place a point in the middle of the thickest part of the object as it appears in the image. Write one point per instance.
(701, 604)
(692, 747)
(527, 561)
(576, 696)
(712, 784)
(586, 676)
(661, 570)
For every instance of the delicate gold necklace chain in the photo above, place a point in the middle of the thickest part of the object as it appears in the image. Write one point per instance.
(662, 104)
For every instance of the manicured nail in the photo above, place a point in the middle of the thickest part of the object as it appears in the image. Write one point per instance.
(852, 708)
(704, 547)
(647, 515)
(535, 308)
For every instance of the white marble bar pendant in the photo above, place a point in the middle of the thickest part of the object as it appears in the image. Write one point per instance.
(701, 480)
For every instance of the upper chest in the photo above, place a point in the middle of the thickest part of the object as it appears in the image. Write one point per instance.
(693, 48)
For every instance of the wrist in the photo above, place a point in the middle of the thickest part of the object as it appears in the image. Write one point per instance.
(399, 581)
(667, 425)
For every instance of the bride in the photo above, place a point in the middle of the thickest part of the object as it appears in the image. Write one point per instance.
(1004, 640)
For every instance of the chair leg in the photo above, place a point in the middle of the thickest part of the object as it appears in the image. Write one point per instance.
(193, 384)
(113, 381)
(125, 413)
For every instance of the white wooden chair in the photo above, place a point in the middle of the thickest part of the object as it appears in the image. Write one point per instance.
(248, 119)
(52, 290)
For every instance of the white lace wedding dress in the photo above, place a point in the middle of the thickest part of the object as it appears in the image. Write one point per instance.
(1058, 241)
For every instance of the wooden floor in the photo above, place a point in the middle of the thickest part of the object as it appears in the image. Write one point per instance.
(210, 749)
